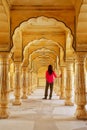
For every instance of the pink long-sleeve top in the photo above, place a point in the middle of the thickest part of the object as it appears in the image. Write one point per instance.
(50, 78)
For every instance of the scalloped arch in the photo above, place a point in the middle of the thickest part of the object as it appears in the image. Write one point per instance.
(41, 50)
(38, 42)
(33, 22)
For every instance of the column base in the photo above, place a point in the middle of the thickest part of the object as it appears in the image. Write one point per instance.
(82, 117)
(62, 97)
(24, 97)
(16, 102)
(4, 114)
(69, 103)
(80, 113)
(29, 93)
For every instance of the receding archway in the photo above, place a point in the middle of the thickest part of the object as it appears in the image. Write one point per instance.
(38, 28)
(42, 28)
(40, 44)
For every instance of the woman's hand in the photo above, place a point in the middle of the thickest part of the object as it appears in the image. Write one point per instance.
(60, 76)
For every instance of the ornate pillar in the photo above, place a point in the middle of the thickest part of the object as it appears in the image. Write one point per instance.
(24, 83)
(11, 76)
(57, 87)
(58, 82)
(63, 82)
(17, 91)
(29, 86)
(80, 93)
(27, 79)
(68, 89)
(4, 85)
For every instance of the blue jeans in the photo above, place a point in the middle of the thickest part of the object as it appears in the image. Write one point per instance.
(46, 89)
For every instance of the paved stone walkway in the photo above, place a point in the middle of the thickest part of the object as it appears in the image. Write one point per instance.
(38, 114)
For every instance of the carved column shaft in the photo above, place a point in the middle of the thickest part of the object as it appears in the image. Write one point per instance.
(4, 85)
(80, 94)
(29, 89)
(24, 83)
(58, 83)
(30, 83)
(57, 87)
(27, 79)
(68, 89)
(11, 77)
(63, 82)
(17, 85)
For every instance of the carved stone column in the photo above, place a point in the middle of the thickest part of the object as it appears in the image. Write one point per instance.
(24, 83)
(12, 77)
(29, 86)
(57, 87)
(80, 93)
(63, 82)
(17, 85)
(68, 89)
(27, 79)
(58, 82)
(4, 85)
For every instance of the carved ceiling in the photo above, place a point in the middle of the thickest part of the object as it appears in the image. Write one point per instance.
(67, 3)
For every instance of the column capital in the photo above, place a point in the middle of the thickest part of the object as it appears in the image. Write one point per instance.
(17, 63)
(4, 56)
(24, 68)
(80, 56)
(69, 60)
(63, 64)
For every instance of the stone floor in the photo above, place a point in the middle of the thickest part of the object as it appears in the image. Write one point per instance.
(38, 114)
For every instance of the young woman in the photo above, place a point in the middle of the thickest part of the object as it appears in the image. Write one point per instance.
(50, 75)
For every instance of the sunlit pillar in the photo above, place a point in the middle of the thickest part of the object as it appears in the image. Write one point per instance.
(63, 82)
(27, 79)
(29, 85)
(68, 89)
(24, 83)
(4, 85)
(17, 86)
(58, 82)
(80, 94)
(86, 73)
(57, 87)
(11, 76)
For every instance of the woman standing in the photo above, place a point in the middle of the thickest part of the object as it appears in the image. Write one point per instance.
(50, 75)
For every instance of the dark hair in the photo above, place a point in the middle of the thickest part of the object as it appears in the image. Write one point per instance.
(50, 69)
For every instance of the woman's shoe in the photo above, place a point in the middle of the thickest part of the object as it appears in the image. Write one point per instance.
(49, 98)
(44, 98)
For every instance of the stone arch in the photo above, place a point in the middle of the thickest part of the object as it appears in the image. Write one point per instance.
(42, 43)
(44, 54)
(40, 22)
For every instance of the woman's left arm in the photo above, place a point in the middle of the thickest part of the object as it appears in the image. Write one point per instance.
(57, 76)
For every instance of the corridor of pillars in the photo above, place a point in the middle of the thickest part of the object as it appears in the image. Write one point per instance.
(25, 84)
